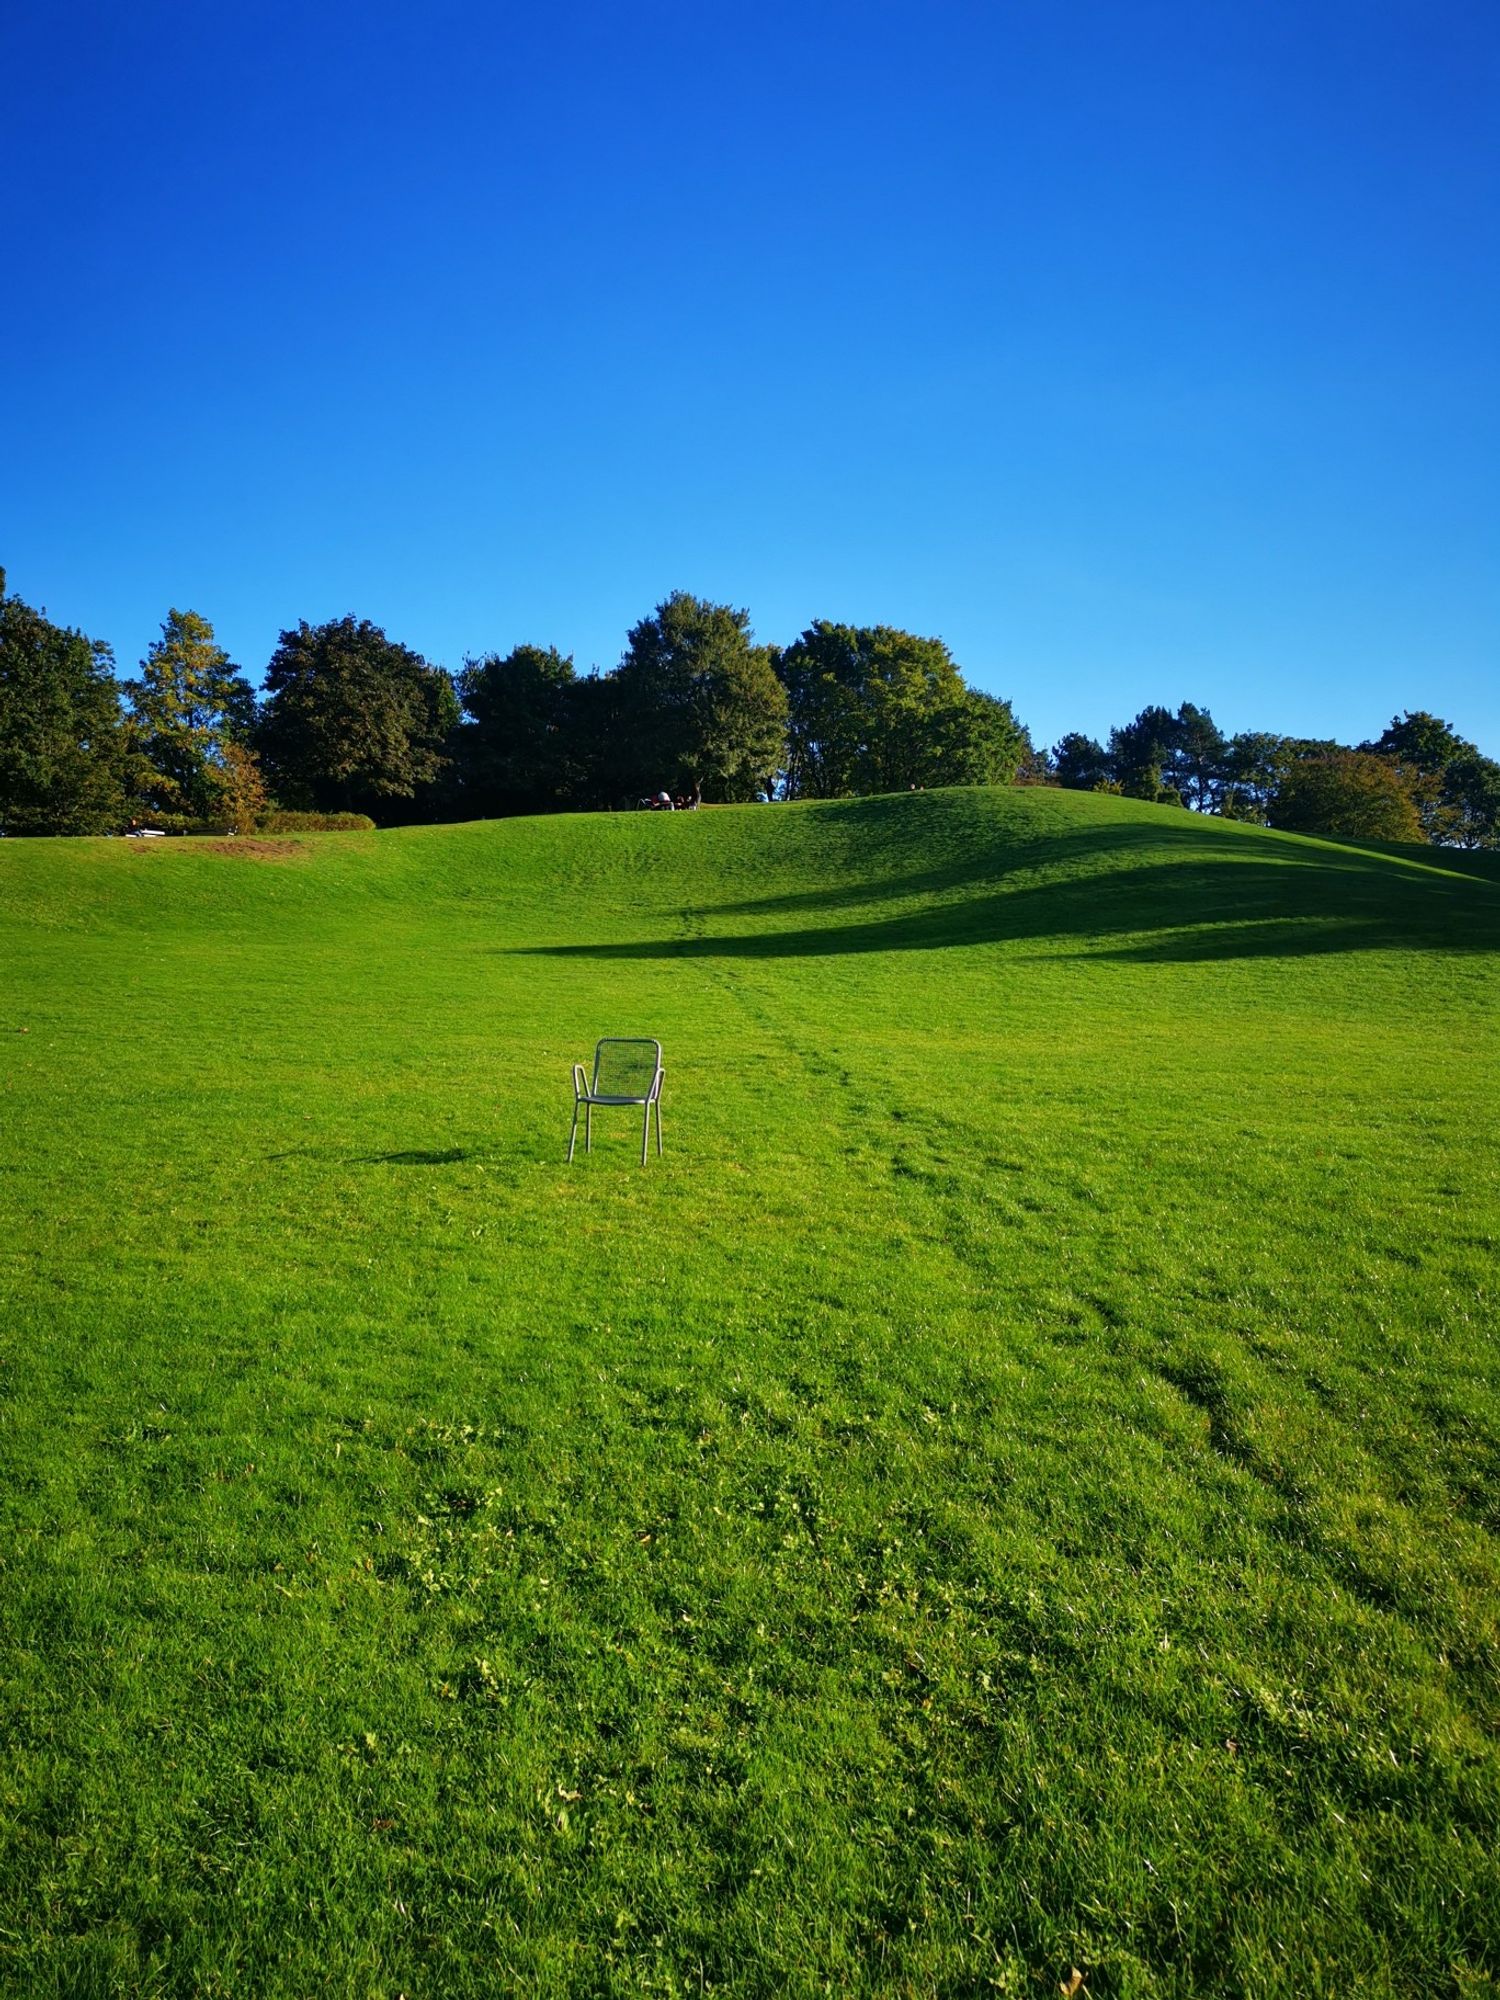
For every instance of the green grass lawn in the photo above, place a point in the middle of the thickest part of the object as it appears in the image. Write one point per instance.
(1015, 1488)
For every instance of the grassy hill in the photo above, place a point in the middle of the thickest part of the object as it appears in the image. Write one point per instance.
(1014, 1488)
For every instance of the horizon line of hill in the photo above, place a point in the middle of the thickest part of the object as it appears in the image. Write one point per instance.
(351, 722)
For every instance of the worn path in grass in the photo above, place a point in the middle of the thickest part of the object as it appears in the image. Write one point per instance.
(1015, 1488)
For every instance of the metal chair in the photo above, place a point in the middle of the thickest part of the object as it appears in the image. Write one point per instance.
(625, 1072)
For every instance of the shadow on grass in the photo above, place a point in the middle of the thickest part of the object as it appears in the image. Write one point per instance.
(1484, 863)
(1190, 893)
(449, 1156)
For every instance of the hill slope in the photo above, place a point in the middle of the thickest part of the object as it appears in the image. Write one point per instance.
(1012, 1488)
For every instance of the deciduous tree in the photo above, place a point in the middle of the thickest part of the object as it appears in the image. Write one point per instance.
(67, 759)
(1471, 794)
(191, 704)
(518, 749)
(239, 794)
(353, 720)
(875, 709)
(1456, 789)
(700, 704)
(985, 744)
(1345, 794)
(1419, 741)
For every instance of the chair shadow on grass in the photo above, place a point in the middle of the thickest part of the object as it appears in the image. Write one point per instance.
(1193, 893)
(536, 1149)
(447, 1156)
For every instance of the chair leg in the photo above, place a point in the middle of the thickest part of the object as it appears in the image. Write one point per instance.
(658, 1128)
(573, 1135)
(645, 1133)
(588, 1128)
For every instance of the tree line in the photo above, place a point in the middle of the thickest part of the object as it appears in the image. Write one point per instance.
(351, 722)
(1417, 781)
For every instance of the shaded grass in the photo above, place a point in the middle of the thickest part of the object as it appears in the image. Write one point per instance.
(1013, 1488)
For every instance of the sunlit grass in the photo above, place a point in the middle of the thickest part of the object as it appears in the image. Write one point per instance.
(1014, 1488)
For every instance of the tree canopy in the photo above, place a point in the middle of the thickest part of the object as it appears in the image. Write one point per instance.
(352, 719)
(1170, 759)
(1252, 767)
(985, 743)
(1471, 800)
(1456, 789)
(1345, 794)
(191, 705)
(1451, 792)
(700, 705)
(875, 709)
(67, 760)
(1080, 763)
(1139, 753)
(517, 750)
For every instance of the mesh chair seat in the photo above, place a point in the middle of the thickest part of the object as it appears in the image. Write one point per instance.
(627, 1071)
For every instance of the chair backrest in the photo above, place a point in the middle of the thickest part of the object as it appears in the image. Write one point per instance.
(625, 1068)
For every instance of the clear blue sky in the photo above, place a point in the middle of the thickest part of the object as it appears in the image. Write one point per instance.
(1145, 352)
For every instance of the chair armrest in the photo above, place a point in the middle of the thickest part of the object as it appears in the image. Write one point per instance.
(656, 1082)
(580, 1083)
